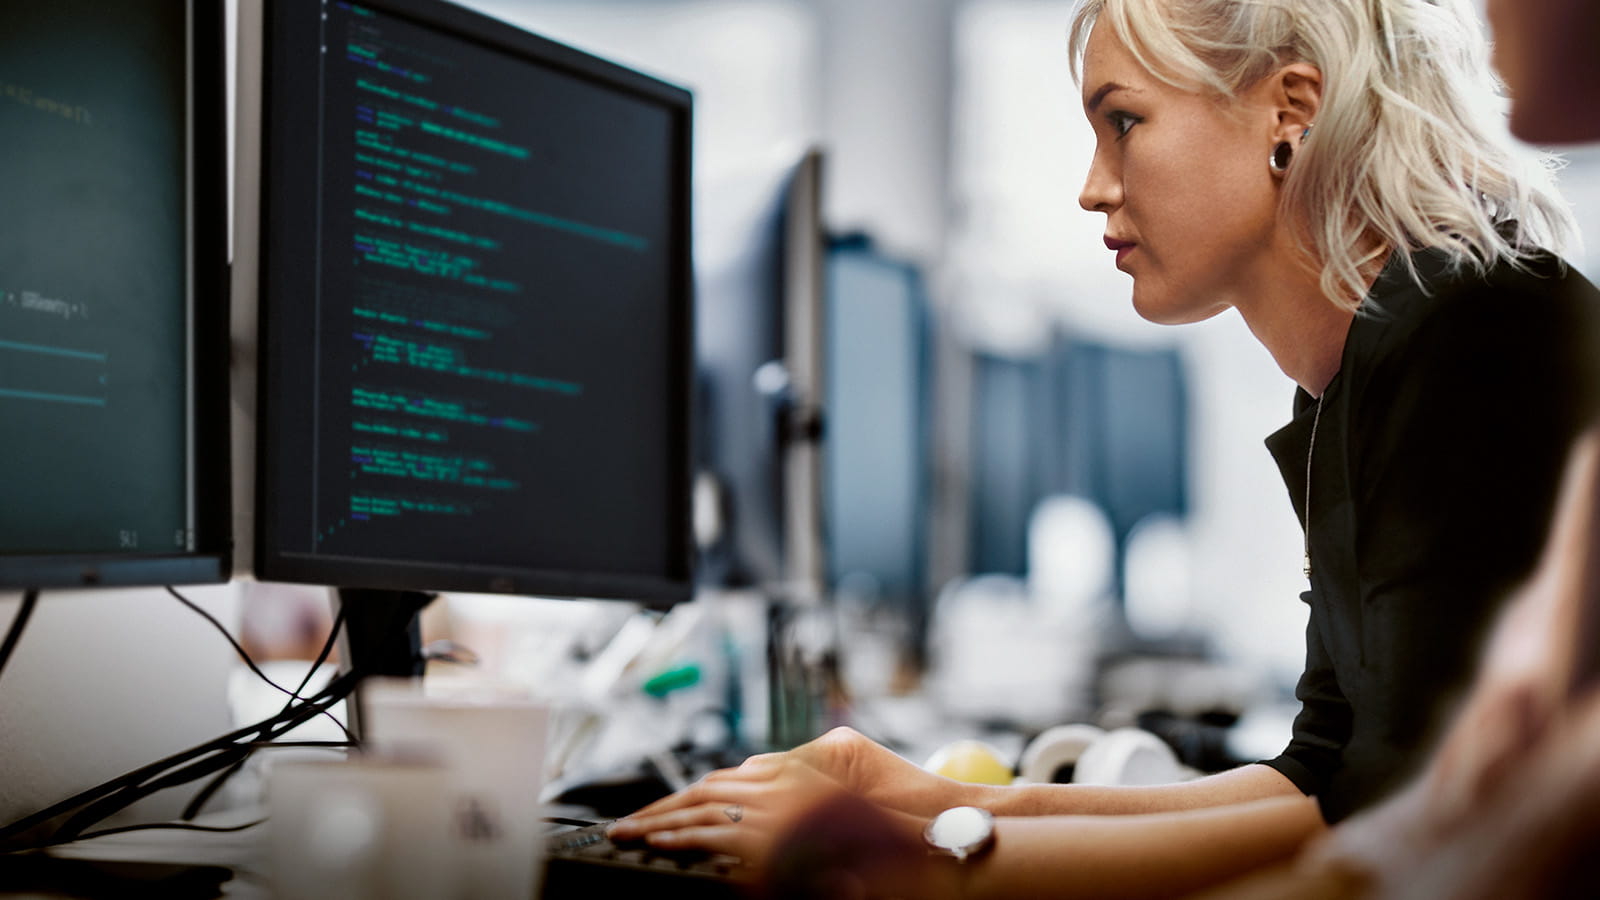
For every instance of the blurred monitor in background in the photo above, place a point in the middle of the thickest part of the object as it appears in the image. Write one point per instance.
(1121, 433)
(878, 466)
(759, 345)
(1010, 459)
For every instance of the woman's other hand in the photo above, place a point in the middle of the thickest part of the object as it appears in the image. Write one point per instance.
(878, 774)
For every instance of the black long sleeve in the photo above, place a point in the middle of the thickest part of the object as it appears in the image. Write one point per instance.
(1438, 454)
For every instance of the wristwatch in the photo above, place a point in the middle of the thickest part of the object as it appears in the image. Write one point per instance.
(960, 832)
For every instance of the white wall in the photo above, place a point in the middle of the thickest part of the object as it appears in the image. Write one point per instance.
(105, 681)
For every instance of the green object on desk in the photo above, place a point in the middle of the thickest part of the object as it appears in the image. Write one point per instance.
(683, 676)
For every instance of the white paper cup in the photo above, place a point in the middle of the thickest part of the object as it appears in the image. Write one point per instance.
(492, 744)
(360, 830)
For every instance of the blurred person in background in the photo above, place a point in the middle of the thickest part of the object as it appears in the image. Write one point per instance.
(1329, 169)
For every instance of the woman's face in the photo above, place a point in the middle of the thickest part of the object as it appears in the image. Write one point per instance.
(1183, 180)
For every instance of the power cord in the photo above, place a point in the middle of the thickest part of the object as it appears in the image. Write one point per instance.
(95, 803)
(205, 794)
(239, 649)
(157, 826)
(224, 757)
(30, 598)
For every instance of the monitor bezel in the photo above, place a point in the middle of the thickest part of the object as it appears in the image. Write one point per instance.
(274, 563)
(210, 560)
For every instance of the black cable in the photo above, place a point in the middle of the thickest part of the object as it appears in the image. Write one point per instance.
(205, 794)
(301, 745)
(198, 801)
(327, 648)
(564, 820)
(336, 690)
(322, 657)
(225, 756)
(211, 788)
(156, 826)
(239, 648)
(227, 760)
(13, 634)
(116, 794)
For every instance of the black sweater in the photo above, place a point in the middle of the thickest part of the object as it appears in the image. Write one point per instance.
(1438, 454)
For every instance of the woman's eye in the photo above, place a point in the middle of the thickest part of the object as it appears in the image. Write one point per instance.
(1122, 122)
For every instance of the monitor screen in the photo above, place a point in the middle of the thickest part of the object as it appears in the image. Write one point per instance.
(1120, 420)
(113, 306)
(879, 434)
(1010, 454)
(475, 312)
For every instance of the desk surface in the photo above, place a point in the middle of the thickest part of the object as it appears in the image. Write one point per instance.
(242, 852)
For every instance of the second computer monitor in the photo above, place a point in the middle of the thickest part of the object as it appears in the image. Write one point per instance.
(476, 323)
(880, 436)
(760, 348)
(113, 294)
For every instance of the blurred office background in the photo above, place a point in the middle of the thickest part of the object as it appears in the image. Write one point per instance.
(955, 138)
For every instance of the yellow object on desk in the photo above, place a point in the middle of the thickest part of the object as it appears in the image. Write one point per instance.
(974, 762)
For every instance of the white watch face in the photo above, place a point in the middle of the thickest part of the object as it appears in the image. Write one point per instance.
(960, 832)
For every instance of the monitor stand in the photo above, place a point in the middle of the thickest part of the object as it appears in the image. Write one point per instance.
(382, 637)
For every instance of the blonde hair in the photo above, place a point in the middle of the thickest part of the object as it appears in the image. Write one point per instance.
(1410, 145)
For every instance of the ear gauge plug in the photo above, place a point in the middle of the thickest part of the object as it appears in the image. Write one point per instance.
(1283, 153)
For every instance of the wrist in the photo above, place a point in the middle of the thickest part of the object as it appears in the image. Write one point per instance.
(984, 796)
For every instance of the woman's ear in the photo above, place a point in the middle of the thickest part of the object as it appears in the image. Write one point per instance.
(1296, 92)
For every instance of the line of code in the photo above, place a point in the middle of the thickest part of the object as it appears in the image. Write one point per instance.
(429, 229)
(65, 365)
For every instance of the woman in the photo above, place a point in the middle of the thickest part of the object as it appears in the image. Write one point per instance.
(1505, 807)
(1319, 166)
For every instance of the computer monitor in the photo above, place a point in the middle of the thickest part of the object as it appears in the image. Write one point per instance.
(475, 315)
(113, 294)
(1120, 432)
(879, 440)
(760, 344)
(1011, 451)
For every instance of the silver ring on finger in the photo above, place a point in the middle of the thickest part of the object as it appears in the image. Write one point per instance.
(735, 812)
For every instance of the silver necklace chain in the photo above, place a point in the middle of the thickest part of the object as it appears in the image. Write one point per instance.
(1310, 452)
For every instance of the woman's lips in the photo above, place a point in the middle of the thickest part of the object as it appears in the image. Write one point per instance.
(1122, 248)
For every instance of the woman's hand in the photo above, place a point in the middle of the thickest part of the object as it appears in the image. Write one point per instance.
(876, 773)
(739, 812)
(799, 834)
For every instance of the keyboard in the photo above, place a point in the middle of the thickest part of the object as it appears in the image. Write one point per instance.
(583, 862)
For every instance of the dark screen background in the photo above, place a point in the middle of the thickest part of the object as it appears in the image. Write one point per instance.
(92, 277)
(470, 320)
